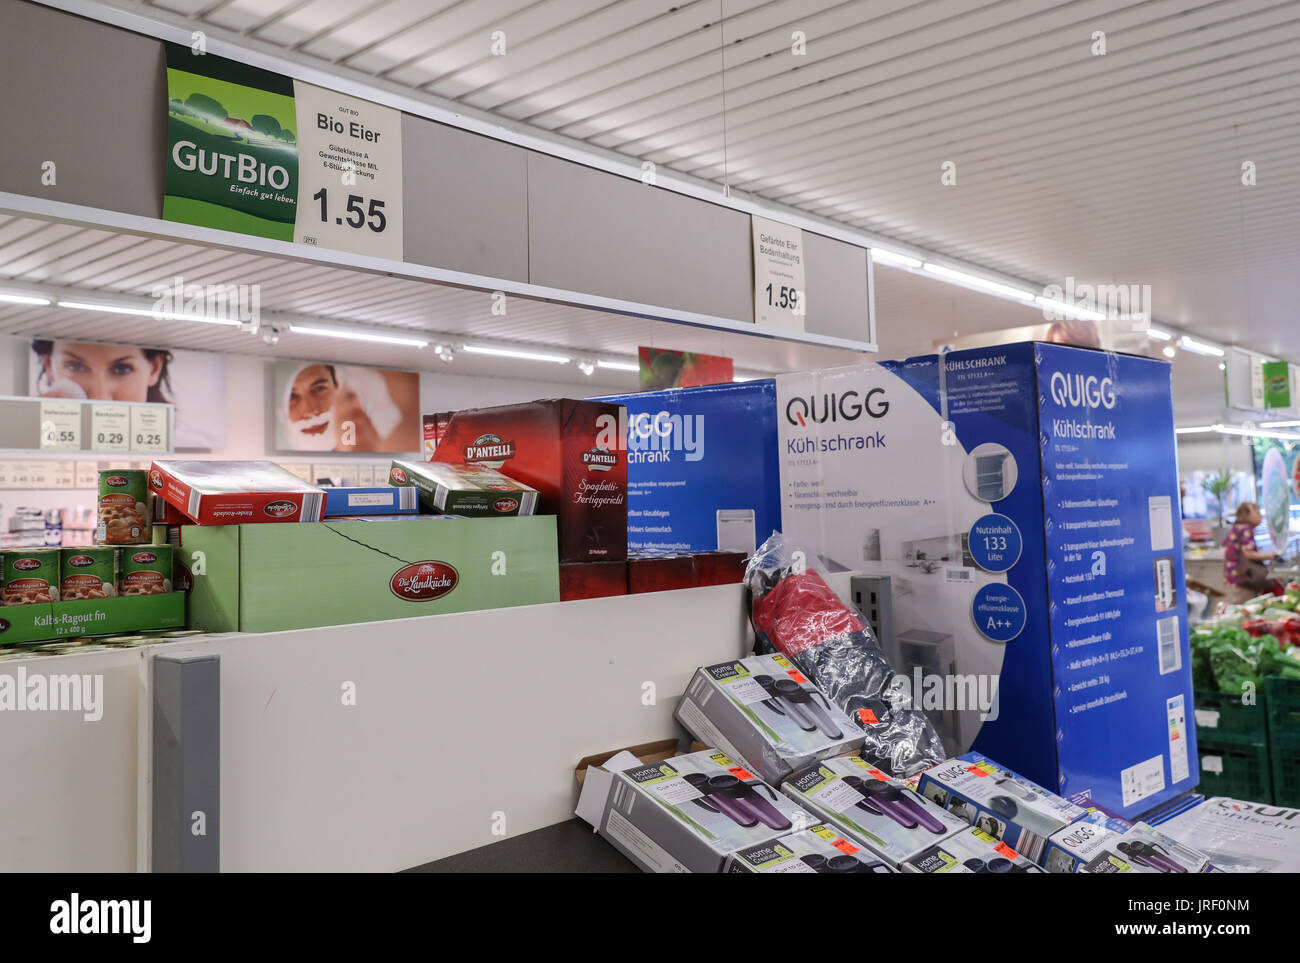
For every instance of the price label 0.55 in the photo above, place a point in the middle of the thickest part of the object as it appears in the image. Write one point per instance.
(148, 429)
(110, 427)
(61, 425)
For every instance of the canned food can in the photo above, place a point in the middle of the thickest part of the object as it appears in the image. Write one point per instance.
(123, 516)
(88, 573)
(29, 576)
(146, 570)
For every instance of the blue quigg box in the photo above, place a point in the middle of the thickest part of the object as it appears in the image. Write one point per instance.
(385, 500)
(702, 467)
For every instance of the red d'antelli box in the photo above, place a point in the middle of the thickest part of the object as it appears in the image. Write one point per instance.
(235, 492)
(592, 580)
(570, 451)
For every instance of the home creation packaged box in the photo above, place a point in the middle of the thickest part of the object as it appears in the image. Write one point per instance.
(570, 451)
(1012, 516)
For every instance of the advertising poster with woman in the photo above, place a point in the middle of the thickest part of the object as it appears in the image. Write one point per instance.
(193, 381)
(329, 407)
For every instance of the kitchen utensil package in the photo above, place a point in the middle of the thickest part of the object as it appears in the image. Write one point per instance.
(892, 820)
(794, 612)
(1092, 846)
(970, 851)
(689, 812)
(821, 849)
(764, 712)
(1002, 803)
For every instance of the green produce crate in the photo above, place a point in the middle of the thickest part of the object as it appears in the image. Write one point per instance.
(1221, 717)
(1239, 770)
(1284, 739)
(1284, 752)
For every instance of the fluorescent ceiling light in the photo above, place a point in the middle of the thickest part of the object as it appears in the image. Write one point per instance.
(975, 281)
(1256, 432)
(22, 299)
(1281, 424)
(1197, 430)
(1070, 310)
(618, 365)
(1168, 351)
(356, 335)
(522, 355)
(885, 256)
(146, 312)
(1199, 347)
(1160, 334)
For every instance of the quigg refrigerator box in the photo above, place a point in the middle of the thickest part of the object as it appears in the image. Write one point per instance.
(702, 467)
(821, 849)
(685, 813)
(570, 451)
(235, 492)
(263, 578)
(971, 851)
(999, 802)
(341, 502)
(1089, 846)
(763, 711)
(893, 821)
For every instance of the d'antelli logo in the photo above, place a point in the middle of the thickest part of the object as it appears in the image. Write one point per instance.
(155, 479)
(27, 564)
(280, 509)
(81, 561)
(504, 505)
(399, 476)
(489, 450)
(144, 558)
(599, 459)
(115, 481)
(424, 581)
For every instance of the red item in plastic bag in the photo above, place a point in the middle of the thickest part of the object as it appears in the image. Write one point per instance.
(802, 611)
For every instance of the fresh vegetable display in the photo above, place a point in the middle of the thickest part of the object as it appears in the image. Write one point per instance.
(1260, 638)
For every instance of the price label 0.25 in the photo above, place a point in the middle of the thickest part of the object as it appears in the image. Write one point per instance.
(61, 425)
(148, 429)
(110, 428)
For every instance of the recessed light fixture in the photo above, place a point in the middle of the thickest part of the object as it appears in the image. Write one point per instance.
(1069, 310)
(1168, 351)
(884, 255)
(981, 283)
(1160, 334)
(8, 298)
(146, 312)
(1280, 424)
(1199, 347)
(521, 355)
(618, 365)
(356, 335)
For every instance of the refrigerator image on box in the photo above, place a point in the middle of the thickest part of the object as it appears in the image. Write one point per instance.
(736, 530)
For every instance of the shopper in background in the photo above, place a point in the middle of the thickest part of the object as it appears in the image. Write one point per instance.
(1243, 563)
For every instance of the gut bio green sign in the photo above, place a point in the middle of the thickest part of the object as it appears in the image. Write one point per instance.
(232, 146)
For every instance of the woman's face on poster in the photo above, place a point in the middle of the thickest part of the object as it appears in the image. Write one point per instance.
(105, 372)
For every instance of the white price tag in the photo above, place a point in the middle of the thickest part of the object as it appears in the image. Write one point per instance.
(148, 428)
(87, 474)
(39, 474)
(110, 427)
(6, 473)
(1207, 719)
(1212, 764)
(20, 474)
(63, 474)
(61, 425)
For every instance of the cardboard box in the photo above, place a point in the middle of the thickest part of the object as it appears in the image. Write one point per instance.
(340, 502)
(685, 813)
(821, 849)
(1022, 502)
(697, 479)
(660, 573)
(1089, 846)
(112, 616)
(719, 568)
(999, 802)
(259, 579)
(570, 451)
(970, 851)
(592, 580)
(235, 492)
(762, 711)
(473, 491)
(892, 820)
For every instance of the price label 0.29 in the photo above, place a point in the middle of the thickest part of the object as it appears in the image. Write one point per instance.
(110, 428)
(349, 173)
(148, 429)
(61, 425)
